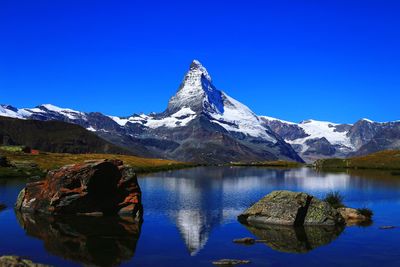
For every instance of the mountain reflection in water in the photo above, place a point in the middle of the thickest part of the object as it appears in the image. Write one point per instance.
(200, 199)
(190, 219)
(94, 241)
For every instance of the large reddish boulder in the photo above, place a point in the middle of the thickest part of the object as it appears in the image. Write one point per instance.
(102, 187)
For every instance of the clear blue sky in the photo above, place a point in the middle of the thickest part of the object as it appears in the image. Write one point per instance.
(328, 60)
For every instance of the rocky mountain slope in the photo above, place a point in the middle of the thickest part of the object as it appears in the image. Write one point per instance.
(53, 136)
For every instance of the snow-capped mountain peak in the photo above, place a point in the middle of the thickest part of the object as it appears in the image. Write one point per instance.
(197, 92)
(197, 67)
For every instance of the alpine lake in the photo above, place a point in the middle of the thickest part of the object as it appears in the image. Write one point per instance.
(190, 219)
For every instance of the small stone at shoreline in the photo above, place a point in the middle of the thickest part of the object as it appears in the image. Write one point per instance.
(245, 240)
(16, 261)
(387, 227)
(230, 262)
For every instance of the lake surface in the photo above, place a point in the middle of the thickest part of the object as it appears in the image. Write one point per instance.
(190, 220)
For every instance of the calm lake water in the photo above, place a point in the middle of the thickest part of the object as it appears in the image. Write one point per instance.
(190, 220)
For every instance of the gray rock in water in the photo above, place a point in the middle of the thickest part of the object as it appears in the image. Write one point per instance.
(290, 208)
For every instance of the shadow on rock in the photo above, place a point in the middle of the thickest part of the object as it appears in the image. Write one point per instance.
(94, 241)
(301, 239)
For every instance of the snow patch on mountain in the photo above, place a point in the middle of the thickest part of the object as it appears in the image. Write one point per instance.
(317, 130)
(323, 129)
(367, 120)
(180, 118)
(239, 118)
(118, 120)
(69, 113)
(185, 111)
(275, 119)
(12, 112)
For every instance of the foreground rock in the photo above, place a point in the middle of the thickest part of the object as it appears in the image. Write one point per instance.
(15, 261)
(86, 240)
(94, 187)
(299, 239)
(353, 216)
(291, 209)
(230, 262)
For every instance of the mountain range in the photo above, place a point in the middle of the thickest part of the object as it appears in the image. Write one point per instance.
(203, 124)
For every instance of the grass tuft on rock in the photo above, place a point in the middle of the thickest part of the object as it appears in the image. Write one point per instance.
(366, 212)
(335, 199)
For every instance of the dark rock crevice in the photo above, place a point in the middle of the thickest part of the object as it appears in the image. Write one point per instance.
(302, 212)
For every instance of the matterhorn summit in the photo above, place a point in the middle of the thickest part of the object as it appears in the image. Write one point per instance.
(197, 92)
(204, 124)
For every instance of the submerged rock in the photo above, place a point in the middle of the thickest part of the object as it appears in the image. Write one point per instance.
(292, 209)
(92, 187)
(230, 262)
(16, 261)
(89, 241)
(300, 239)
(387, 227)
(245, 240)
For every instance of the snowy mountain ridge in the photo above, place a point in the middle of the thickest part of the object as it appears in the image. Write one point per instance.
(202, 123)
(314, 139)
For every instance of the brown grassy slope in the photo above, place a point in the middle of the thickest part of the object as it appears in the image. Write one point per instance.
(48, 161)
(385, 160)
